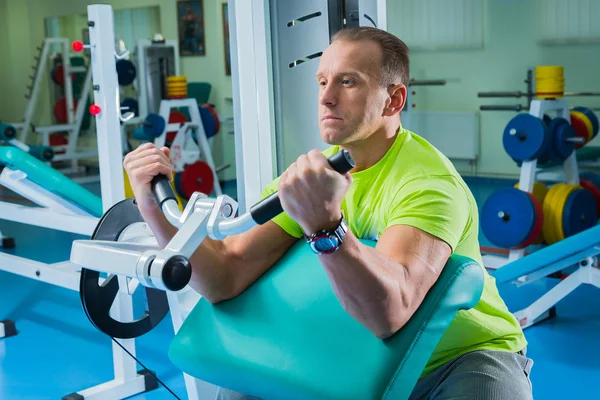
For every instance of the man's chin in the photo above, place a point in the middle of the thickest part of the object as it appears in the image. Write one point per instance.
(332, 137)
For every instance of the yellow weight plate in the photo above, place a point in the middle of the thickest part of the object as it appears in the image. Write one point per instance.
(539, 192)
(588, 124)
(548, 227)
(176, 79)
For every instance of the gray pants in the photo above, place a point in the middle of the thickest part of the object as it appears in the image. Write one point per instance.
(485, 375)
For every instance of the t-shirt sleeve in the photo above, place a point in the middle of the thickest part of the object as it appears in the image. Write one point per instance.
(438, 206)
(283, 220)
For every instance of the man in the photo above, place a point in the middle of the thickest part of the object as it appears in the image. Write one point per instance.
(403, 193)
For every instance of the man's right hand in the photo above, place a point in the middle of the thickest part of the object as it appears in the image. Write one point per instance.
(143, 164)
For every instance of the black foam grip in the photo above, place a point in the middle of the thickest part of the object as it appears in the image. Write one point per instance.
(270, 206)
(516, 108)
(162, 189)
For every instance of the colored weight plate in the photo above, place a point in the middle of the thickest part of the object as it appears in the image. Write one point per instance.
(549, 229)
(580, 128)
(154, 126)
(594, 190)
(196, 177)
(536, 232)
(562, 131)
(60, 110)
(508, 217)
(58, 75)
(177, 85)
(592, 177)
(589, 129)
(131, 104)
(592, 116)
(177, 78)
(580, 212)
(561, 203)
(525, 138)
(210, 120)
(540, 190)
(126, 72)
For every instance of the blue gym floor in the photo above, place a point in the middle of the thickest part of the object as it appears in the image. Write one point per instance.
(57, 351)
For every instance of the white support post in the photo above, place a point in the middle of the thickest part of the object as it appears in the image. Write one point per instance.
(253, 98)
(106, 96)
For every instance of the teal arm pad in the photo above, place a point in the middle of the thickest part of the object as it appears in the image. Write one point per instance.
(287, 336)
(50, 179)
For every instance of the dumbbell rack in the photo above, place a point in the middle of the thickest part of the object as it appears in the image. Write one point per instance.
(529, 170)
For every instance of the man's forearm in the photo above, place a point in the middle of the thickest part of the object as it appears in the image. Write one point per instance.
(370, 286)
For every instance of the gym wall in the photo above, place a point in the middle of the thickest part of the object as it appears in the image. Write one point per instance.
(510, 33)
(23, 30)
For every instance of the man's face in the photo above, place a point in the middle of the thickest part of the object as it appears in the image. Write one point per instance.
(351, 98)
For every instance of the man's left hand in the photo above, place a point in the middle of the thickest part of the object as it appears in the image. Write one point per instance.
(311, 192)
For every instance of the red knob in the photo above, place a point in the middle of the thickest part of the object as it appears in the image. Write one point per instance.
(94, 109)
(77, 46)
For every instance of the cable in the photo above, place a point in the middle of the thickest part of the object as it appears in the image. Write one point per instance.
(146, 369)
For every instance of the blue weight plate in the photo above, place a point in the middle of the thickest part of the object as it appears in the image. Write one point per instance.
(519, 217)
(531, 139)
(561, 148)
(592, 116)
(580, 212)
(208, 121)
(178, 184)
(154, 125)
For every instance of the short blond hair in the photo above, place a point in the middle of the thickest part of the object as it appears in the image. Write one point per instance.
(395, 66)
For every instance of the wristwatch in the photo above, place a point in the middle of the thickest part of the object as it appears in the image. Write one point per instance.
(328, 241)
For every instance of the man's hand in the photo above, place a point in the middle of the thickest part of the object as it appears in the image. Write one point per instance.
(311, 192)
(143, 164)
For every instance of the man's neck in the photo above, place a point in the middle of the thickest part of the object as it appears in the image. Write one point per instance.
(369, 151)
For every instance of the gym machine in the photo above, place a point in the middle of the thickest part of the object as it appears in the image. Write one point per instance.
(68, 207)
(73, 115)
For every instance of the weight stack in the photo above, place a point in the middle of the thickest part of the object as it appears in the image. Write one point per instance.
(549, 81)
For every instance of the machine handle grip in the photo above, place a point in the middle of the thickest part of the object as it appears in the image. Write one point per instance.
(162, 189)
(501, 94)
(516, 108)
(270, 207)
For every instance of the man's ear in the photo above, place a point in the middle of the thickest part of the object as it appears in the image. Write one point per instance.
(397, 99)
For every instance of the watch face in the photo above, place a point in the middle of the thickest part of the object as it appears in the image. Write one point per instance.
(325, 243)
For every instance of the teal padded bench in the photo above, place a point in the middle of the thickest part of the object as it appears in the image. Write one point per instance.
(287, 336)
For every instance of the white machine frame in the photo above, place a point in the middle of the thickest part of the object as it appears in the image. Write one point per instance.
(58, 213)
(74, 117)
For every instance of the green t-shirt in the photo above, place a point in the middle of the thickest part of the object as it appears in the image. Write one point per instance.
(415, 184)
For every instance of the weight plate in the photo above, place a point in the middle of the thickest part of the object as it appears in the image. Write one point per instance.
(196, 177)
(539, 222)
(60, 110)
(525, 138)
(580, 212)
(540, 190)
(97, 299)
(592, 116)
(210, 120)
(508, 217)
(126, 72)
(592, 177)
(560, 204)
(589, 129)
(549, 229)
(580, 128)
(562, 147)
(154, 126)
(595, 190)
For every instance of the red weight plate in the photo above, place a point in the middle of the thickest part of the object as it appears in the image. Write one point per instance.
(537, 227)
(197, 177)
(60, 110)
(580, 130)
